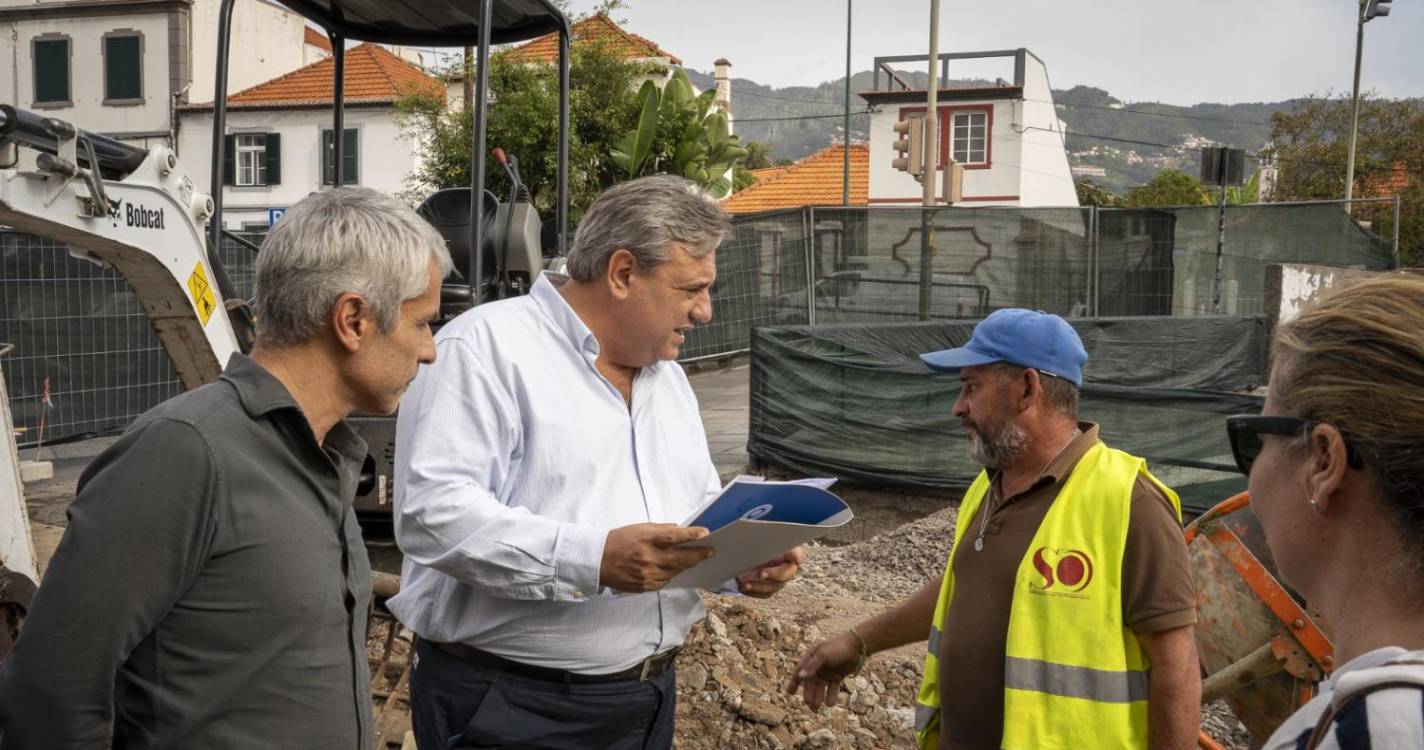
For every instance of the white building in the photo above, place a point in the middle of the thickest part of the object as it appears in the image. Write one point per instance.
(121, 67)
(1006, 134)
(279, 140)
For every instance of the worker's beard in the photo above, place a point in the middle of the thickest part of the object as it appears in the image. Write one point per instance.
(997, 447)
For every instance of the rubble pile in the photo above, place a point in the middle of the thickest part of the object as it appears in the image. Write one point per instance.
(731, 679)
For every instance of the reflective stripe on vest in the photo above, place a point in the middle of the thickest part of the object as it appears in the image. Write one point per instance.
(1075, 675)
(1075, 682)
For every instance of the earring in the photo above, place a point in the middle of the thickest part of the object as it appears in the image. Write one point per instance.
(1314, 506)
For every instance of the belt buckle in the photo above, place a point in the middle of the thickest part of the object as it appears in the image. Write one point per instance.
(647, 665)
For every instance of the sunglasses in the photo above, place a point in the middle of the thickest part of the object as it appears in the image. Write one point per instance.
(1245, 431)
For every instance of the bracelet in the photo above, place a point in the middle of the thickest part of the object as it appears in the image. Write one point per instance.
(864, 653)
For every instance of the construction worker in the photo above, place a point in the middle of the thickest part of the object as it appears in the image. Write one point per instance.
(1337, 480)
(211, 589)
(1064, 617)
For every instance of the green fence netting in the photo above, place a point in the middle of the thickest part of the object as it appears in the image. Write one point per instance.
(855, 402)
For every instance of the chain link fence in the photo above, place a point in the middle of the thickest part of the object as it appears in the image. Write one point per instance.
(86, 360)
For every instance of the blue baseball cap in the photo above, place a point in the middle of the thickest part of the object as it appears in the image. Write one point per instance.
(1027, 338)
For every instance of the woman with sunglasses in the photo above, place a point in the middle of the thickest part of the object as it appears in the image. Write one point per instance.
(1336, 467)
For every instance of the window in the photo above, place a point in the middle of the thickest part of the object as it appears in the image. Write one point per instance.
(971, 137)
(252, 159)
(51, 55)
(349, 160)
(123, 67)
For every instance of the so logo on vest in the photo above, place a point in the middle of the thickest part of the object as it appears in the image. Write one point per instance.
(1061, 572)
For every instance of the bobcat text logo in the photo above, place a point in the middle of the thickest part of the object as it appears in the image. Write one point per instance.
(143, 218)
(1061, 571)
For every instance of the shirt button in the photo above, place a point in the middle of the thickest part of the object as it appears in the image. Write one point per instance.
(578, 594)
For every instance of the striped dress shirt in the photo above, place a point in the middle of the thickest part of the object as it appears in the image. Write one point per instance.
(514, 459)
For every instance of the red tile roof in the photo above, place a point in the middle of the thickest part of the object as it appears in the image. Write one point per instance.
(599, 28)
(316, 38)
(766, 173)
(373, 75)
(1385, 185)
(817, 180)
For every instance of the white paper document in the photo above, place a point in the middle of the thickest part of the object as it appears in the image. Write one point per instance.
(754, 520)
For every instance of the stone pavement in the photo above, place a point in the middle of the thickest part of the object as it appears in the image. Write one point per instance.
(722, 393)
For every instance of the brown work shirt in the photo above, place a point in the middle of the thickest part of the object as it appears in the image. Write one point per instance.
(1157, 591)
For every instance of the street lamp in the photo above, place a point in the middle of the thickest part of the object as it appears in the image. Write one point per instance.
(1368, 9)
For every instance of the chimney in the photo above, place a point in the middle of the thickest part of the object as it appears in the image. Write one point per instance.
(723, 101)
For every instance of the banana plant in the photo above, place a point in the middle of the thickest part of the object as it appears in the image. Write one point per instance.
(680, 133)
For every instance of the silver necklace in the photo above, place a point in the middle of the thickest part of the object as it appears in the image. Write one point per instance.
(987, 510)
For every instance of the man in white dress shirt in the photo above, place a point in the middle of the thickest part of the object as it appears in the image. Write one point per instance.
(543, 464)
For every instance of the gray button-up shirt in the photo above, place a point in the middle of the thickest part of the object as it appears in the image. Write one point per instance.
(211, 589)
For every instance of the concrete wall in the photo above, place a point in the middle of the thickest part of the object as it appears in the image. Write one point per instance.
(1046, 179)
(386, 156)
(267, 42)
(86, 72)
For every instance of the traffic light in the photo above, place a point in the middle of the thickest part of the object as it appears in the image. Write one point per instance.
(953, 188)
(1376, 8)
(910, 146)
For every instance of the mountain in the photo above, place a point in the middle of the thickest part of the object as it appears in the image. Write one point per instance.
(1103, 131)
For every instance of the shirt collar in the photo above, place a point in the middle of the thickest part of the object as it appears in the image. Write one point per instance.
(262, 393)
(557, 309)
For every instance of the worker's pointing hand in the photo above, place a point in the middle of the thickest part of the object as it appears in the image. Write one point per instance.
(645, 556)
(822, 669)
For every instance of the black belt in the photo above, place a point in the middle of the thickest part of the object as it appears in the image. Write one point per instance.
(648, 669)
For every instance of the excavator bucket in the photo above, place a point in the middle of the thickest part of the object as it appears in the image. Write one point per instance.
(1261, 648)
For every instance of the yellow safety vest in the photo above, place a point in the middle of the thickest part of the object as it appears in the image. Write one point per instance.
(1075, 676)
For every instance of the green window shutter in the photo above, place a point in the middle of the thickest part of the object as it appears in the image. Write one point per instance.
(123, 67)
(326, 154)
(51, 70)
(274, 158)
(229, 159)
(349, 159)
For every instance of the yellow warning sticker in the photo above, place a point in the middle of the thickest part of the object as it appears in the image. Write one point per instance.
(203, 300)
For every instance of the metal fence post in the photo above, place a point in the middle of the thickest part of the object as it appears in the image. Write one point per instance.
(1094, 258)
(1396, 234)
(809, 217)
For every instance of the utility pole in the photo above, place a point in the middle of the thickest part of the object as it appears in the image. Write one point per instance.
(932, 110)
(469, 79)
(845, 185)
(1368, 9)
(927, 175)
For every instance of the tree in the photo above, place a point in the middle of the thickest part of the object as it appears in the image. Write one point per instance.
(1092, 194)
(758, 157)
(1310, 145)
(680, 133)
(1169, 188)
(524, 122)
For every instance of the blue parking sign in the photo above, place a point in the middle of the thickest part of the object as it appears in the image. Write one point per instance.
(275, 215)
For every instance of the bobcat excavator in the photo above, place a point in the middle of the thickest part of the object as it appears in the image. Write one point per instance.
(139, 212)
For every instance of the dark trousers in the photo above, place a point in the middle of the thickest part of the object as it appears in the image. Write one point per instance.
(457, 704)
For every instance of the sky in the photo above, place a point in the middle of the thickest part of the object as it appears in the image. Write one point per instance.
(1177, 52)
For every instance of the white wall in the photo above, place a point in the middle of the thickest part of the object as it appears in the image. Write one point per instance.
(267, 41)
(86, 71)
(386, 156)
(1047, 178)
(999, 182)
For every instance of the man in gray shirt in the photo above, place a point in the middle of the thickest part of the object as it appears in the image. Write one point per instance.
(211, 589)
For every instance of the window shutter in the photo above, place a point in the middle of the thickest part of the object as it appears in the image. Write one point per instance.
(326, 153)
(51, 70)
(349, 159)
(274, 158)
(229, 159)
(123, 68)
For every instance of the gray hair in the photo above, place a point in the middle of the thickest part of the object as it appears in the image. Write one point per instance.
(646, 217)
(350, 239)
(1060, 395)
